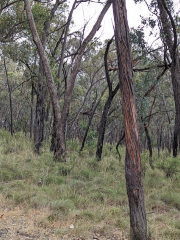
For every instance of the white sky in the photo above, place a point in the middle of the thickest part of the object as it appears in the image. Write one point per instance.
(89, 12)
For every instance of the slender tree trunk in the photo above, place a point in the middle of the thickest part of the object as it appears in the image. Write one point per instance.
(149, 144)
(133, 170)
(60, 149)
(90, 120)
(39, 119)
(10, 99)
(32, 111)
(119, 142)
(102, 127)
(70, 85)
(169, 32)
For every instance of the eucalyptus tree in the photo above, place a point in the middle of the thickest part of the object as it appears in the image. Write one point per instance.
(60, 151)
(163, 10)
(134, 185)
(107, 105)
(170, 39)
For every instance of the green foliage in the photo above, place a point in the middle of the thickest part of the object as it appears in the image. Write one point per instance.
(172, 198)
(41, 15)
(170, 166)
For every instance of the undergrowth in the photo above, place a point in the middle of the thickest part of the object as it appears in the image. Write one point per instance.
(88, 193)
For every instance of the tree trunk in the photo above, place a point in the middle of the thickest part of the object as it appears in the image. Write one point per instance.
(10, 99)
(32, 110)
(39, 119)
(169, 31)
(133, 171)
(102, 127)
(149, 145)
(70, 85)
(59, 152)
(90, 120)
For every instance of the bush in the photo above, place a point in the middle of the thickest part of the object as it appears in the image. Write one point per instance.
(170, 166)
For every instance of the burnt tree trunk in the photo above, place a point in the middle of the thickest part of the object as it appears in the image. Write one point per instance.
(138, 222)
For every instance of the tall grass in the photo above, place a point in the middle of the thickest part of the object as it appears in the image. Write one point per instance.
(89, 194)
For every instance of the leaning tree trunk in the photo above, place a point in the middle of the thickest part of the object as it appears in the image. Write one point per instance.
(60, 151)
(90, 120)
(107, 106)
(40, 105)
(169, 31)
(134, 184)
(71, 82)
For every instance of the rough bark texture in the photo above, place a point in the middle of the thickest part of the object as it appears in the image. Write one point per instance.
(59, 152)
(168, 25)
(134, 185)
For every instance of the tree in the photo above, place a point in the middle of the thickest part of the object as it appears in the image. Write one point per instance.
(107, 105)
(134, 184)
(60, 150)
(170, 38)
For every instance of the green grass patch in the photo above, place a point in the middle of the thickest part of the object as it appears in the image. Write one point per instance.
(90, 194)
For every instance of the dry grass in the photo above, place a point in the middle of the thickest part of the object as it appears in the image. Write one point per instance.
(87, 194)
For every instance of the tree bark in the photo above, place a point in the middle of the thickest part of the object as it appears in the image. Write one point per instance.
(107, 106)
(133, 171)
(10, 98)
(169, 30)
(40, 108)
(39, 119)
(32, 110)
(60, 150)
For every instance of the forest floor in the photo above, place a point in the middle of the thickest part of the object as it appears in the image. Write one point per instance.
(83, 199)
(19, 224)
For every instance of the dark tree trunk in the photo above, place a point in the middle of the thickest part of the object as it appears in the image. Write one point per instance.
(149, 144)
(32, 111)
(133, 171)
(170, 37)
(39, 119)
(119, 142)
(90, 121)
(10, 99)
(102, 127)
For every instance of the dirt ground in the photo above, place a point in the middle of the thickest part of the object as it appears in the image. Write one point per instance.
(16, 223)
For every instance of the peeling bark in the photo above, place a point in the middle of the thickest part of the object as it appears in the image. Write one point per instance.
(134, 184)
